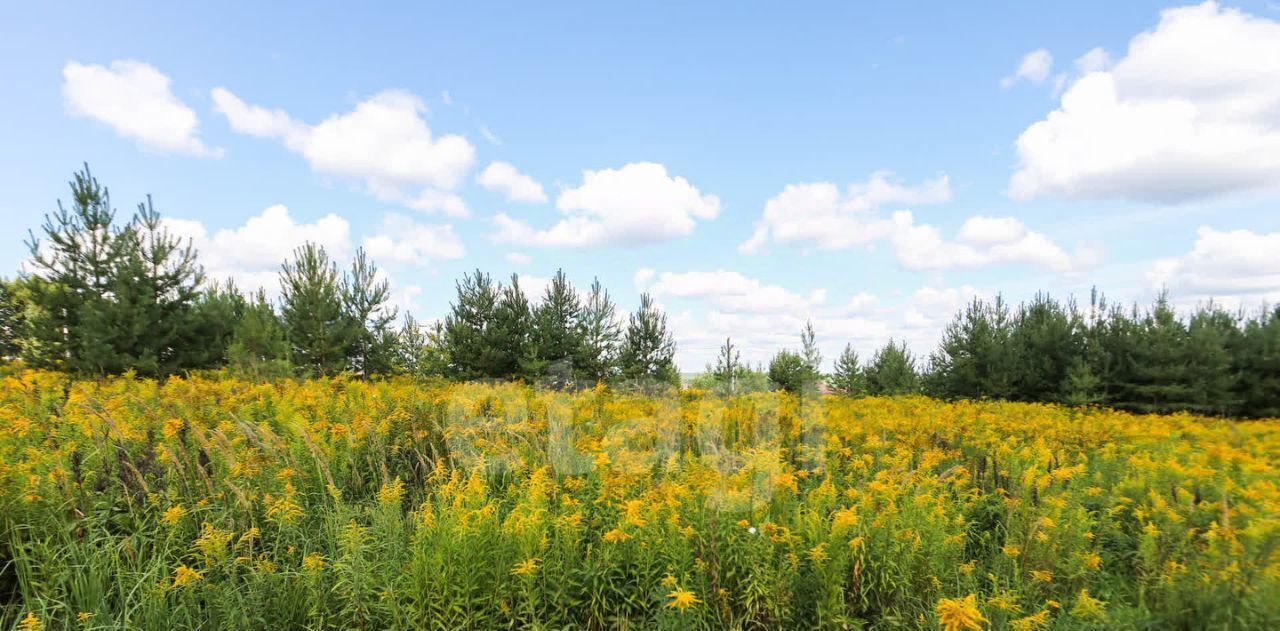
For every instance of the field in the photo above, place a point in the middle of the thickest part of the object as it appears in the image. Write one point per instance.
(216, 503)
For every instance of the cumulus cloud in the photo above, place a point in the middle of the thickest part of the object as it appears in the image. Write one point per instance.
(1034, 67)
(635, 204)
(516, 186)
(1232, 266)
(135, 100)
(983, 241)
(819, 214)
(729, 291)
(251, 254)
(384, 142)
(517, 258)
(1188, 112)
(404, 241)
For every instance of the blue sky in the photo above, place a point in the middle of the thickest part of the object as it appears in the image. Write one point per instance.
(866, 167)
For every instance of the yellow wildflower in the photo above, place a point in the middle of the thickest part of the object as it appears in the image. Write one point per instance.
(174, 514)
(615, 535)
(184, 576)
(313, 562)
(525, 568)
(1088, 607)
(1034, 622)
(30, 623)
(682, 599)
(955, 614)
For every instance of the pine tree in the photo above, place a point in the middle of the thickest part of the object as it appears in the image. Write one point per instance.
(371, 339)
(973, 359)
(1212, 334)
(728, 367)
(892, 371)
(155, 287)
(211, 328)
(469, 327)
(809, 351)
(600, 336)
(420, 349)
(1161, 371)
(557, 326)
(512, 336)
(73, 267)
(648, 348)
(258, 346)
(315, 323)
(13, 308)
(1257, 365)
(848, 378)
(1045, 342)
(790, 371)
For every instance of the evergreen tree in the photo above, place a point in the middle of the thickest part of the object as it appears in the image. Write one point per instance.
(13, 310)
(258, 346)
(420, 349)
(973, 359)
(728, 367)
(315, 323)
(790, 371)
(1258, 366)
(848, 378)
(648, 348)
(1161, 372)
(512, 337)
(469, 327)
(216, 316)
(892, 371)
(600, 336)
(108, 298)
(155, 288)
(1212, 335)
(809, 351)
(1045, 343)
(371, 339)
(557, 329)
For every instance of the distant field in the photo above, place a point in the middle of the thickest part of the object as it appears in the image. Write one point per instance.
(343, 504)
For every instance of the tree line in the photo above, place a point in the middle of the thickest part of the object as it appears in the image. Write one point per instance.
(102, 296)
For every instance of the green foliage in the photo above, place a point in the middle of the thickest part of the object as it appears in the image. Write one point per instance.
(648, 348)
(258, 346)
(515, 347)
(848, 378)
(371, 345)
(790, 371)
(556, 326)
(601, 334)
(892, 371)
(469, 330)
(107, 298)
(315, 323)
(13, 315)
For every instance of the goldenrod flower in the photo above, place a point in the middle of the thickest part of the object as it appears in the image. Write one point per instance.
(955, 614)
(682, 599)
(30, 623)
(313, 562)
(184, 576)
(615, 535)
(174, 514)
(525, 568)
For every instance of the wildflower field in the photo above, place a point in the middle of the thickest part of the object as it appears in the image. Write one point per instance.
(216, 503)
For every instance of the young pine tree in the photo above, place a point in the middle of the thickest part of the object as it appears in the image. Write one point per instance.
(892, 371)
(728, 367)
(600, 336)
(848, 377)
(648, 348)
(790, 371)
(468, 330)
(13, 308)
(512, 336)
(371, 336)
(315, 322)
(258, 345)
(557, 329)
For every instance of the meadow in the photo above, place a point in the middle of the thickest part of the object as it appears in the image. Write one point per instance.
(217, 503)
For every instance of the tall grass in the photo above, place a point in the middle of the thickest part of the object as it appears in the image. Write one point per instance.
(216, 503)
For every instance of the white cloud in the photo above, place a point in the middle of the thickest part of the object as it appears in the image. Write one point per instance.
(404, 241)
(984, 241)
(134, 99)
(384, 142)
(490, 136)
(729, 291)
(638, 203)
(1034, 67)
(518, 258)
(433, 201)
(817, 213)
(1231, 266)
(251, 254)
(1188, 112)
(516, 186)
(1096, 60)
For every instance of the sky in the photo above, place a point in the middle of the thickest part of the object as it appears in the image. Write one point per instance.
(866, 167)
